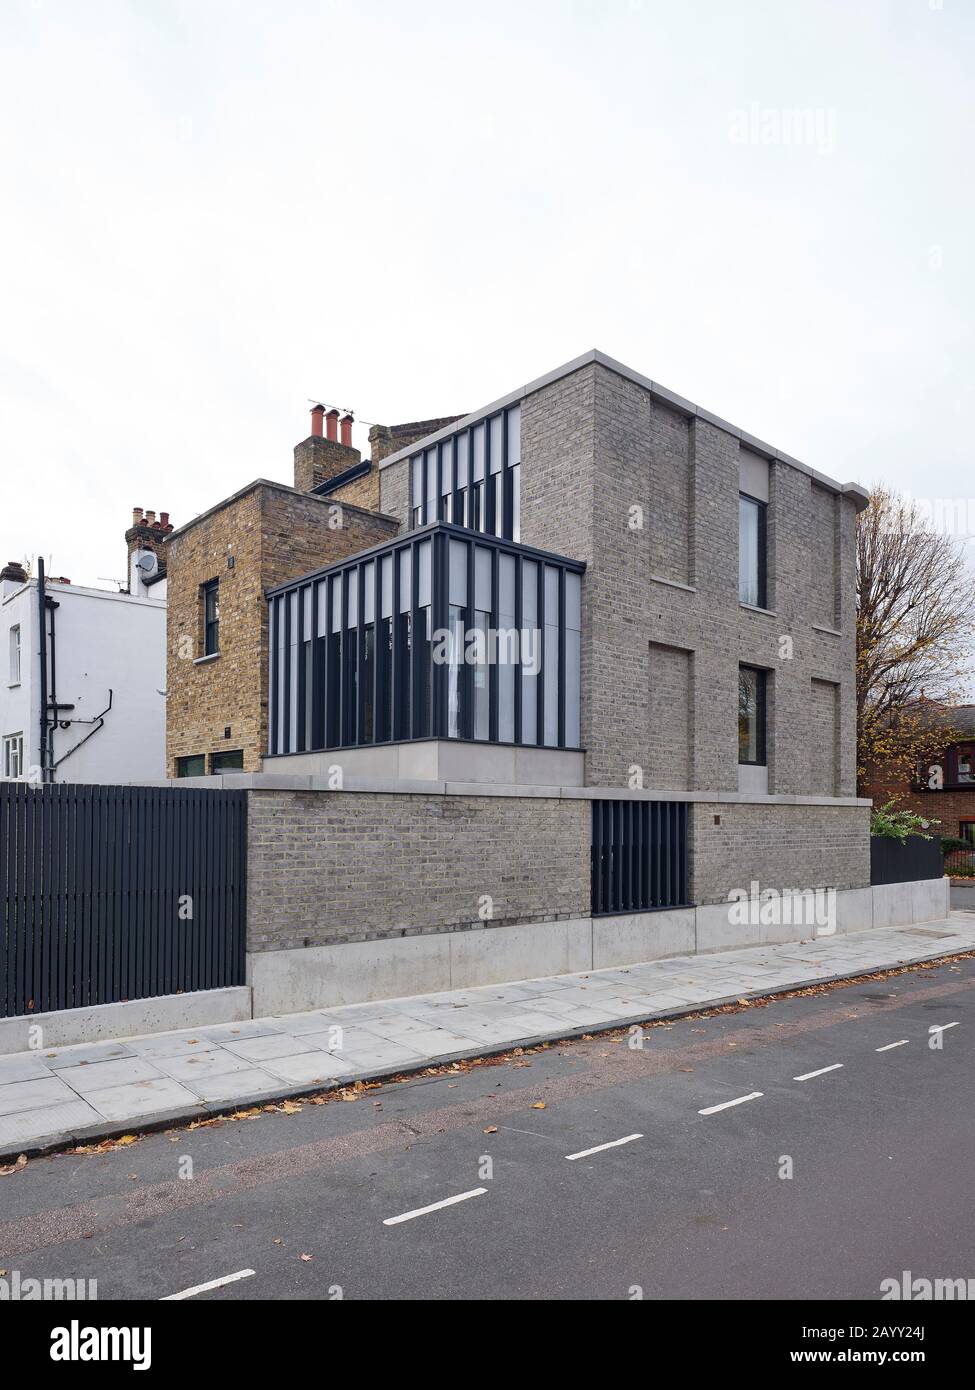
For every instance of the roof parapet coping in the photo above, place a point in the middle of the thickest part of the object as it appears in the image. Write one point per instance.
(859, 494)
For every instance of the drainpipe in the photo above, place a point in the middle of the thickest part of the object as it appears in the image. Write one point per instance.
(42, 622)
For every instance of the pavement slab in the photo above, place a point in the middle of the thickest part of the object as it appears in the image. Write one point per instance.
(51, 1099)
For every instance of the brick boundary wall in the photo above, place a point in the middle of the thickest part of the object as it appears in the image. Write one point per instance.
(780, 846)
(334, 867)
(327, 868)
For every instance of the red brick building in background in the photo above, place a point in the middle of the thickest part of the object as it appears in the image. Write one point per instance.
(943, 786)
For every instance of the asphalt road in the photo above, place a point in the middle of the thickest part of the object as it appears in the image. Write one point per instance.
(879, 1149)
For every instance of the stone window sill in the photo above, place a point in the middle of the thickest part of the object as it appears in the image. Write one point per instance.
(204, 660)
(673, 584)
(752, 608)
(820, 627)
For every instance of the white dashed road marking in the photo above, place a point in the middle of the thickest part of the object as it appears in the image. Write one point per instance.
(808, 1075)
(903, 1043)
(727, 1104)
(213, 1284)
(435, 1206)
(940, 1027)
(613, 1144)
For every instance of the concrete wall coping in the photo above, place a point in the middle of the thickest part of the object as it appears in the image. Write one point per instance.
(404, 786)
(859, 494)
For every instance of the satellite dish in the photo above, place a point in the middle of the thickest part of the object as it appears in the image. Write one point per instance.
(147, 564)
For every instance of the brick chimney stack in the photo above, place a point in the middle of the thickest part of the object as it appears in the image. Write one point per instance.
(12, 576)
(320, 458)
(146, 533)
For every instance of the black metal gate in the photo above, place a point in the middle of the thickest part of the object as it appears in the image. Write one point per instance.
(639, 856)
(110, 893)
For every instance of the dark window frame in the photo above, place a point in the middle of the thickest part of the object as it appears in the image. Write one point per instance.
(762, 576)
(761, 716)
(181, 765)
(217, 763)
(210, 592)
(952, 759)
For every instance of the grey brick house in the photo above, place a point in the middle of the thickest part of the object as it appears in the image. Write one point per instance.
(599, 679)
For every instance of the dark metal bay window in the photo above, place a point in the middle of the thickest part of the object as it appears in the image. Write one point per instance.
(437, 635)
(211, 617)
(751, 715)
(473, 478)
(752, 585)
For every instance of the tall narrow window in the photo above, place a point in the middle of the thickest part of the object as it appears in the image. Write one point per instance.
(751, 715)
(751, 551)
(14, 676)
(211, 617)
(416, 491)
(447, 480)
(403, 649)
(462, 481)
(476, 519)
(457, 615)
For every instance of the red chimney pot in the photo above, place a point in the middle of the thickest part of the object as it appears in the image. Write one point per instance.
(317, 415)
(331, 424)
(346, 427)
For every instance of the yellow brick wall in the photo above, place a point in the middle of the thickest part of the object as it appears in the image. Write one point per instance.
(274, 535)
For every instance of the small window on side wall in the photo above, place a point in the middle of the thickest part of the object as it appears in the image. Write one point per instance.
(13, 755)
(192, 766)
(230, 761)
(751, 715)
(211, 617)
(752, 586)
(14, 671)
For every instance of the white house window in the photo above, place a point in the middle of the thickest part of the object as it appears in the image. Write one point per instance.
(13, 755)
(15, 655)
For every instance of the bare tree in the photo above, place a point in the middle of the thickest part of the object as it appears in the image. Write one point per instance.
(915, 626)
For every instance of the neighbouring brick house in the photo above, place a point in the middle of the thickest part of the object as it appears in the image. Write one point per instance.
(942, 789)
(220, 565)
(580, 668)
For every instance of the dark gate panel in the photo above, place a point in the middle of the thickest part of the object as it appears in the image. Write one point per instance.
(112, 893)
(916, 858)
(639, 856)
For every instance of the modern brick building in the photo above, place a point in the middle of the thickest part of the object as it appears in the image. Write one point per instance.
(581, 668)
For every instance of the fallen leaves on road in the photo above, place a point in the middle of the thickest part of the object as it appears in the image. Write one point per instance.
(539, 1105)
(306, 1258)
(491, 1129)
(17, 1167)
(107, 1146)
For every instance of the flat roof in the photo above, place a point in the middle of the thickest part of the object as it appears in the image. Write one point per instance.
(857, 491)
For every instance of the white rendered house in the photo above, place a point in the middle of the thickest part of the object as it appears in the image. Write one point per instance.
(104, 677)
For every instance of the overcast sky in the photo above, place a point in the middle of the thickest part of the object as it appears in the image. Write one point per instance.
(212, 211)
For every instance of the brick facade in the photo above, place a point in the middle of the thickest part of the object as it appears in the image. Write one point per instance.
(273, 533)
(647, 494)
(325, 868)
(779, 846)
(947, 807)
